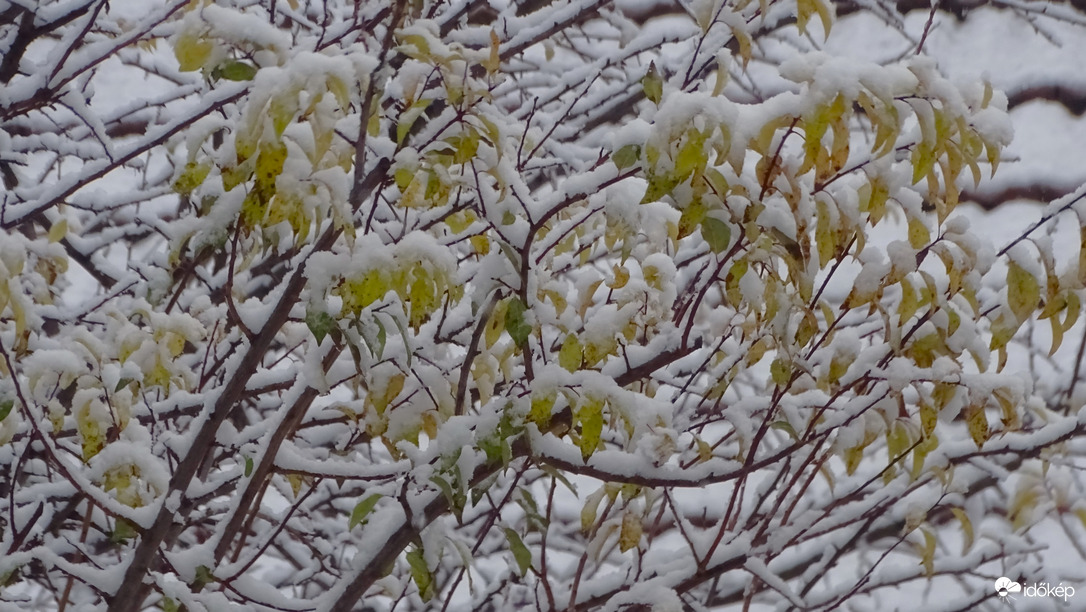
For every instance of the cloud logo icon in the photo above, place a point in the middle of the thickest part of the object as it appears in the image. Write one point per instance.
(1005, 586)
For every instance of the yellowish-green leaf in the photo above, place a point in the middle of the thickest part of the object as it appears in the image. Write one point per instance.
(570, 356)
(653, 84)
(780, 372)
(716, 233)
(626, 156)
(542, 406)
(191, 51)
(897, 439)
(590, 416)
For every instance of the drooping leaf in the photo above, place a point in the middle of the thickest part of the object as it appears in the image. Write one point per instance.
(516, 323)
(320, 323)
(653, 84)
(521, 554)
(420, 573)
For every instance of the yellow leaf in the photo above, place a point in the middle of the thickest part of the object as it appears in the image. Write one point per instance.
(978, 424)
(928, 417)
(493, 62)
(1020, 511)
(622, 276)
(853, 456)
(1023, 291)
(897, 440)
(629, 535)
(495, 325)
(918, 233)
(920, 452)
(910, 303)
(967, 529)
(927, 554)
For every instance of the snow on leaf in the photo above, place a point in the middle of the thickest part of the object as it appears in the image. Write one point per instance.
(653, 84)
(570, 356)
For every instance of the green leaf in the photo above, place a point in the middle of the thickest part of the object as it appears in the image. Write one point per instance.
(521, 554)
(362, 510)
(455, 498)
(248, 466)
(5, 408)
(717, 233)
(421, 573)
(236, 71)
(319, 323)
(515, 323)
(203, 577)
(626, 156)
